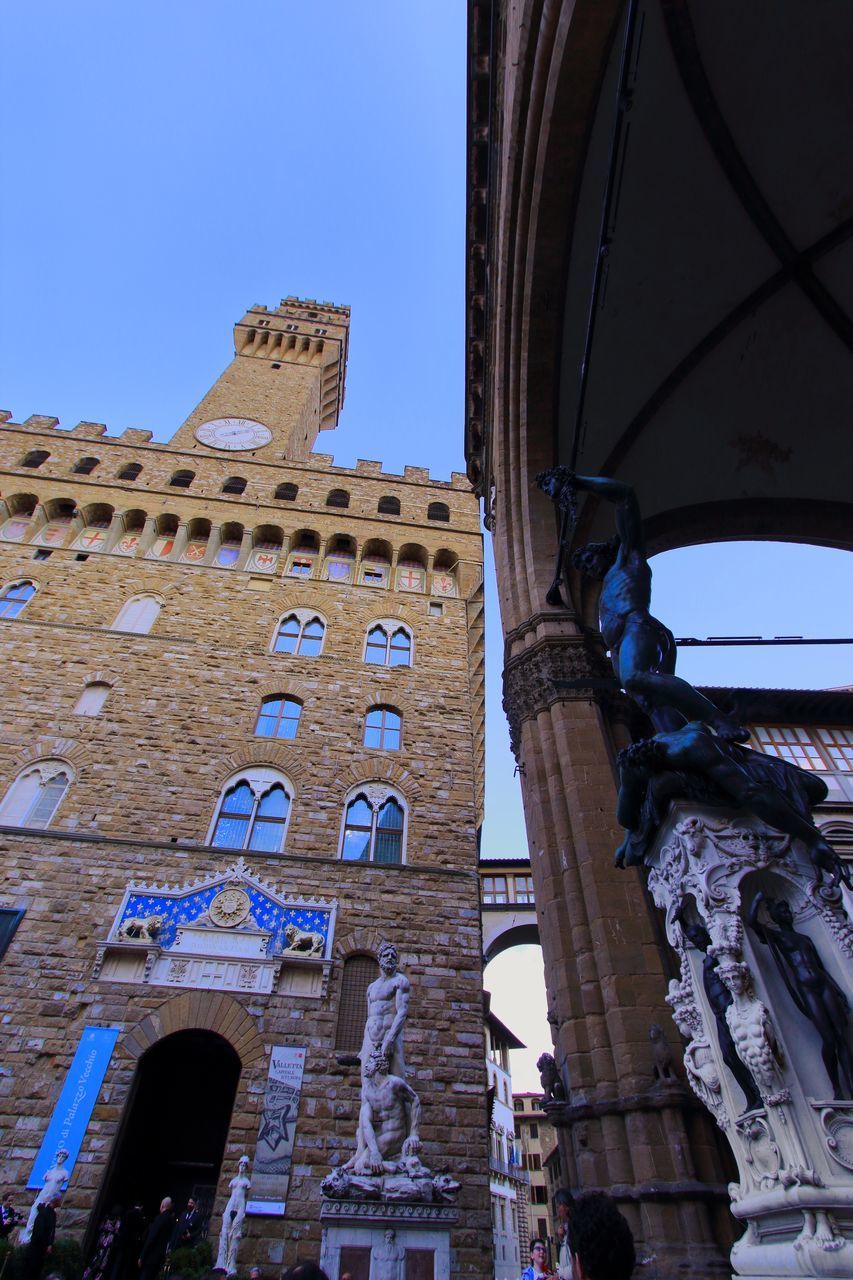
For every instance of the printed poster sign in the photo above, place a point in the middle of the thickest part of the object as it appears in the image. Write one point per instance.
(277, 1131)
(76, 1101)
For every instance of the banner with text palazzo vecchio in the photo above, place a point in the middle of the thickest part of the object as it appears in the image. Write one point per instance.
(76, 1102)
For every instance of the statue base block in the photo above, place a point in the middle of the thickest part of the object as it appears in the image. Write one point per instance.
(763, 998)
(386, 1240)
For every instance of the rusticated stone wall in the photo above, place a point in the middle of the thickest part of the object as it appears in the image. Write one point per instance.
(179, 718)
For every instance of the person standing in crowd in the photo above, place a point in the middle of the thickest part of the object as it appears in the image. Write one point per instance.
(538, 1261)
(188, 1229)
(106, 1247)
(562, 1209)
(600, 1240)
(9, 1216)
(158, 1237)
(129, 1243)
(304, 1271)
(40, 1244)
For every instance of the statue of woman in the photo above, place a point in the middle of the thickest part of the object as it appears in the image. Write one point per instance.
(54, 1179)
(232, 1220)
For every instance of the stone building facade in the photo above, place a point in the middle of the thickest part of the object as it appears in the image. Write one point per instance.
(242, 745)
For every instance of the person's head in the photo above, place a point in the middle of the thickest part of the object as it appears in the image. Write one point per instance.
(304, 1271)
(387, 957)
(7, 1198)
(165, 1203)
(600, 1240)
(254, 1273)
(190, 1204)
(55, 1201)
(596, 558)
(538, 1252)
(563, 1201)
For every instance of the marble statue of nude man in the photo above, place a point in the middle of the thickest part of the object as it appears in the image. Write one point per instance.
(387, 1009)
(388, 1121)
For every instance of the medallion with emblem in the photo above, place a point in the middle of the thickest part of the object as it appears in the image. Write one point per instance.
(230, 908)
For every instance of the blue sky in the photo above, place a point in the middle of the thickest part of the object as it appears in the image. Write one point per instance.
(168, 165)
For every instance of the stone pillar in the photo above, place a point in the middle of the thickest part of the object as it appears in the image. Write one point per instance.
(645, 1143)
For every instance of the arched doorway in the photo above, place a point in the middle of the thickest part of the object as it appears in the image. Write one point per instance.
(173, 1133)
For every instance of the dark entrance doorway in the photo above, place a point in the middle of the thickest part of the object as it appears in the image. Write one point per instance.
(175, 1125)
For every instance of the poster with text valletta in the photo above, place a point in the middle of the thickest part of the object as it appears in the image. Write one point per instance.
(277, 1131)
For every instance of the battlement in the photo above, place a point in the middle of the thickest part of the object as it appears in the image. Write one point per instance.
(40, 424)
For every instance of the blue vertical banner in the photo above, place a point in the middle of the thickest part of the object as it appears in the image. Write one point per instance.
(76, 1102)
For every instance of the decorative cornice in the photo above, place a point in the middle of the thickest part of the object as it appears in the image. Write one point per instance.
(554, 669)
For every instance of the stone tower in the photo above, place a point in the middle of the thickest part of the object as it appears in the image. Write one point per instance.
(284, 385)
(242, 746)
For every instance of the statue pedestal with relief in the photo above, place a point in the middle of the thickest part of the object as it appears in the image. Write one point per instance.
(763, 999)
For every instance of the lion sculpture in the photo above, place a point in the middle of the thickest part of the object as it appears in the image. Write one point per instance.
(549, 1078)
(139, 928)
(309, 944)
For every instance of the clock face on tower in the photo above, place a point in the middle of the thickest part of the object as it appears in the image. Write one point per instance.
(233, 433)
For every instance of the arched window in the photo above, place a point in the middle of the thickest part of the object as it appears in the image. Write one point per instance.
(34, 458)
(382, 729)
(300, 632)
(183, 479)
(234, 484)
(131, 471)
(14, 597)
(337, 498)
(438, 511)
(387, 648)
(374, 827)
(92, 698)
(137, 615)
(286, 492)
(34, 796)
(252, 812)
(388, 506)
(278, 718)
(359, 972)
(85, 466)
